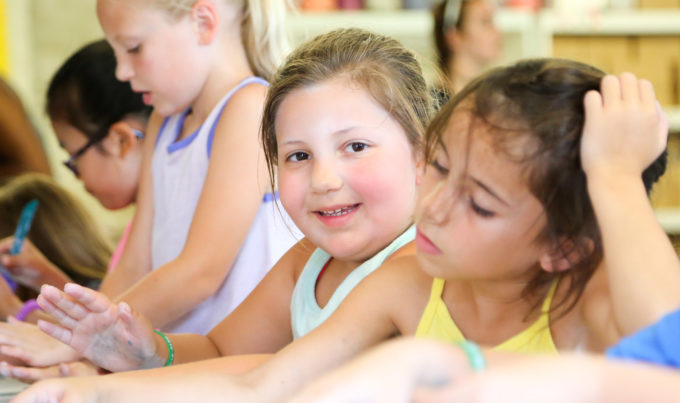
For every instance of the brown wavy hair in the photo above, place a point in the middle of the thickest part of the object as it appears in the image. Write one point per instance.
(62, 229)
(379, 64)
(540, 103)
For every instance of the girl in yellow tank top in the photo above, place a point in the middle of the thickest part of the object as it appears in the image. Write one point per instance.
(503, 213)
(437, 324)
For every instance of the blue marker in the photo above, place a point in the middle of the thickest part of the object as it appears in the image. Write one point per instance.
(20, 234)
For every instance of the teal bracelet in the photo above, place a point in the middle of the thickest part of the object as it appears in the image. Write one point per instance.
(474, 354)
(171, 349)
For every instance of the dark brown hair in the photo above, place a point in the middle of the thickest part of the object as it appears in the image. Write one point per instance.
(540, 104)
(379, 64)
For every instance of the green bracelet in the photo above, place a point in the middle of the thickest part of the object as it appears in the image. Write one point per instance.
(474, 354)
(171, 349)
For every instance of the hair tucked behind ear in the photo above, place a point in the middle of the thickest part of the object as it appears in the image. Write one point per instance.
(378, 64)
(534, 113)
(62, 230)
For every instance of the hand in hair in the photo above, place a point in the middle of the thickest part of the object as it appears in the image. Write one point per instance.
(625, 129)
(35, 374)
(25, 342)
(30, 267)
(111, 336)
(624, 133)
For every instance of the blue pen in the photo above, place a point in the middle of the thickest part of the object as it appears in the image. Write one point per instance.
(20, 234)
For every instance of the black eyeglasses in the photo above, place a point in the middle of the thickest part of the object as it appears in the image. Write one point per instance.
(71, 164)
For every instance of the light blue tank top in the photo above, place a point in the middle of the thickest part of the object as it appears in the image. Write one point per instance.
(305, 313)
(179, 169)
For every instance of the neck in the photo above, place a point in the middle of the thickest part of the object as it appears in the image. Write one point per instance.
(230, 66)
(496, 300)
(463, 69)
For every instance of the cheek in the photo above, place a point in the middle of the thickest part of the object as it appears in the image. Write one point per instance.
(291, 191)
(382, 183)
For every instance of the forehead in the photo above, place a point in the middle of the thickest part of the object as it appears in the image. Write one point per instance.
(331, 104)
(491, 155)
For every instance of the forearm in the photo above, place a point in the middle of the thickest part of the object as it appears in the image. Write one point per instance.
(641, 263)
(187, 348)
(163, 296)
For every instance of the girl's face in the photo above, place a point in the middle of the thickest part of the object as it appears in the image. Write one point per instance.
(160, 57)
(477, 221)
(346, 170)
(480, 38)
(112, 180)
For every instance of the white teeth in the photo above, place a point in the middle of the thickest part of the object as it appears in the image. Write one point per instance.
(338, 212)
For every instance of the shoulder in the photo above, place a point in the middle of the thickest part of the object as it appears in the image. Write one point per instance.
(296, 257)
(246, 102)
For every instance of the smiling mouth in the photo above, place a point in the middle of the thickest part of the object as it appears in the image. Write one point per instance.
(337, 212)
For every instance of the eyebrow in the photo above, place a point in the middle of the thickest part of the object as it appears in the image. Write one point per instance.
(341, 131)
(488, 190)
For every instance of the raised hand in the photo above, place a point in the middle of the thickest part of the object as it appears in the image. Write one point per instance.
(111, 336)
(30, 267)
(27, 343)
(625, 129)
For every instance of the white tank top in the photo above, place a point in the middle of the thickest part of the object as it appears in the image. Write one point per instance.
(179, 169)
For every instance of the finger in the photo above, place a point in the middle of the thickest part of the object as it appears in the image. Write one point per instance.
(93, 300)
(592, 103)
(62, 334)
(663, 125)
(647, 94)
(18, 353)
(611, 90)
(630, 89)
(30, 375)
(56, 312)
(6, 244)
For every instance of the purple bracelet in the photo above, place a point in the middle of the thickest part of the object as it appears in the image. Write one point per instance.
(28, 307)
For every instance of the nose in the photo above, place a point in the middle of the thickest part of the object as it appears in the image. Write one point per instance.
(325, 176)
(437, 205)
(124, 70)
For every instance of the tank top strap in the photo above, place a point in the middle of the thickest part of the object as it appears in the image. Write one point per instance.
(223, 103)
(437, 289)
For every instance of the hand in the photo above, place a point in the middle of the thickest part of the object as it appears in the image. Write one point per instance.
(10, 304)
(625, 129)
(113, 337)
(30, 267)
(29, 344)
(558, 379)
(35, 374)
(71, 390)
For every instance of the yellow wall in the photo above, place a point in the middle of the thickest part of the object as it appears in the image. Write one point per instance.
(4, 49)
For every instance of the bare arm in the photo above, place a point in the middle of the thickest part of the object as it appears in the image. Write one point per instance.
(230, 198)
(624, 132)
(135, 262)
(260, 325)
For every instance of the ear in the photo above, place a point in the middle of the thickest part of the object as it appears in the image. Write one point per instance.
(565, 254)
(121, 139)
(205, 15)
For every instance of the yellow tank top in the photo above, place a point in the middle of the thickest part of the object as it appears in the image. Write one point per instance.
(436, 323)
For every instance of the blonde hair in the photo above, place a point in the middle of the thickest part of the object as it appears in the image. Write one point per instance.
(379, 64)
(263, 30)
(62, 230)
